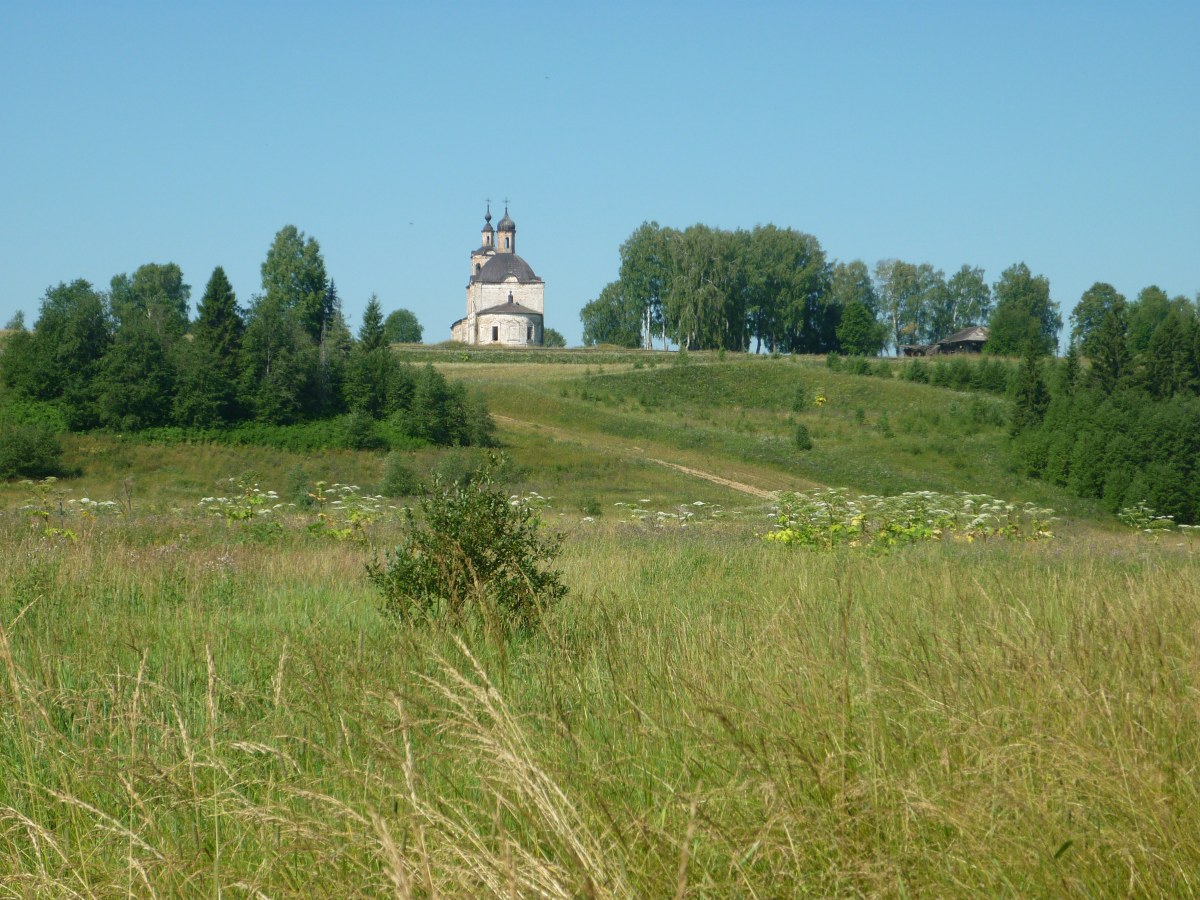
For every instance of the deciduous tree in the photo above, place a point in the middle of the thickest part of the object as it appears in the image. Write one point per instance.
(155, 295)
(293, 278)
(612, 318)
(1024, 313)
(402, 327)
(1089, 312)
(969, 299)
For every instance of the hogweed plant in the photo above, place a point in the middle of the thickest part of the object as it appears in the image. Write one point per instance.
(1144, 518)
(828, 518)
(344, 512)
(48, 502)
(686, 514)
(246, 502)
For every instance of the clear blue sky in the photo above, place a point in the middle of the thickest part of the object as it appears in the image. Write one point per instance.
(1063, 134)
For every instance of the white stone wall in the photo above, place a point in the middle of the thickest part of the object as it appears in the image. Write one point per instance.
(530, 295)
(511, 330)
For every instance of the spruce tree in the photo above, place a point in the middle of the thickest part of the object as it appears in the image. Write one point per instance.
(209, 369)
(370, 381)
(1110, 350)
(371, 335)
(1168, 358)
(219, 324)
(1068, 372)
(1032, 396)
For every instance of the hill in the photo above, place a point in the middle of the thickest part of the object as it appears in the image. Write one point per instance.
(598, 427)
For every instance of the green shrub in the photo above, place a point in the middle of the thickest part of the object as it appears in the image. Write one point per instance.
(398, 479)
(360, 433)
(916, 371)
(856, 365)
(801, 438)
(460, 465)
(29, 451)
(800, 399)
(477, 557)
(19, 411)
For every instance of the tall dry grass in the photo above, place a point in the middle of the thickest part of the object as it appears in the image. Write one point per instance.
(188, 711)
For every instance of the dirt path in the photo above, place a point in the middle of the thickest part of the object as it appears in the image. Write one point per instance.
(715, 479)
(637, 451)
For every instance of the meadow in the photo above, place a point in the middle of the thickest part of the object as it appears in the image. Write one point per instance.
(199, 705)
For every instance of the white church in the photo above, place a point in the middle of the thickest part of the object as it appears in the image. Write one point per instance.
(505, 299)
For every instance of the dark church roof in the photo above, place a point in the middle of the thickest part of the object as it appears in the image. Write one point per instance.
(506, 224)
(509, 308)
(502, 266)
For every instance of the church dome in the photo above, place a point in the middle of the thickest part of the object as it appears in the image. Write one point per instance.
(506, 224)
(505, 265)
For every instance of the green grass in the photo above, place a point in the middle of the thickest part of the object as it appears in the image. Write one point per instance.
(188, 709)
(191, 708)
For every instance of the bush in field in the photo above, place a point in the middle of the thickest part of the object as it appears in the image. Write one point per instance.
(460, 464)
(856, 365)
(359, 432)
(398, 479)
(801, 438)
(476, 556)
(29, 451)
(800, 398)
(916, 371)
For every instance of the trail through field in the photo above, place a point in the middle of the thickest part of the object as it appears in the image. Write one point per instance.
(715, 479)
(633, 451)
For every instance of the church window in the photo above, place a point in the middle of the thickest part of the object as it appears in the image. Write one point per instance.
(495, 333)
(529, 333)
(477, 268)
(506, 243)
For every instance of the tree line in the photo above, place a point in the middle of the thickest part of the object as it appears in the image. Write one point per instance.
(130, 358)
(774, 288)
(1118, 419)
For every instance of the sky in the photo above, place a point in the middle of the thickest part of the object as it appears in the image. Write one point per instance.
(1061, 134)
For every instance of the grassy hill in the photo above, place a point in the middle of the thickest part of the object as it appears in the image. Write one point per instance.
(594, 433)
(193, 705)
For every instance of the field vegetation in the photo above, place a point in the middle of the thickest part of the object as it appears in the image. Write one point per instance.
(194, 701)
